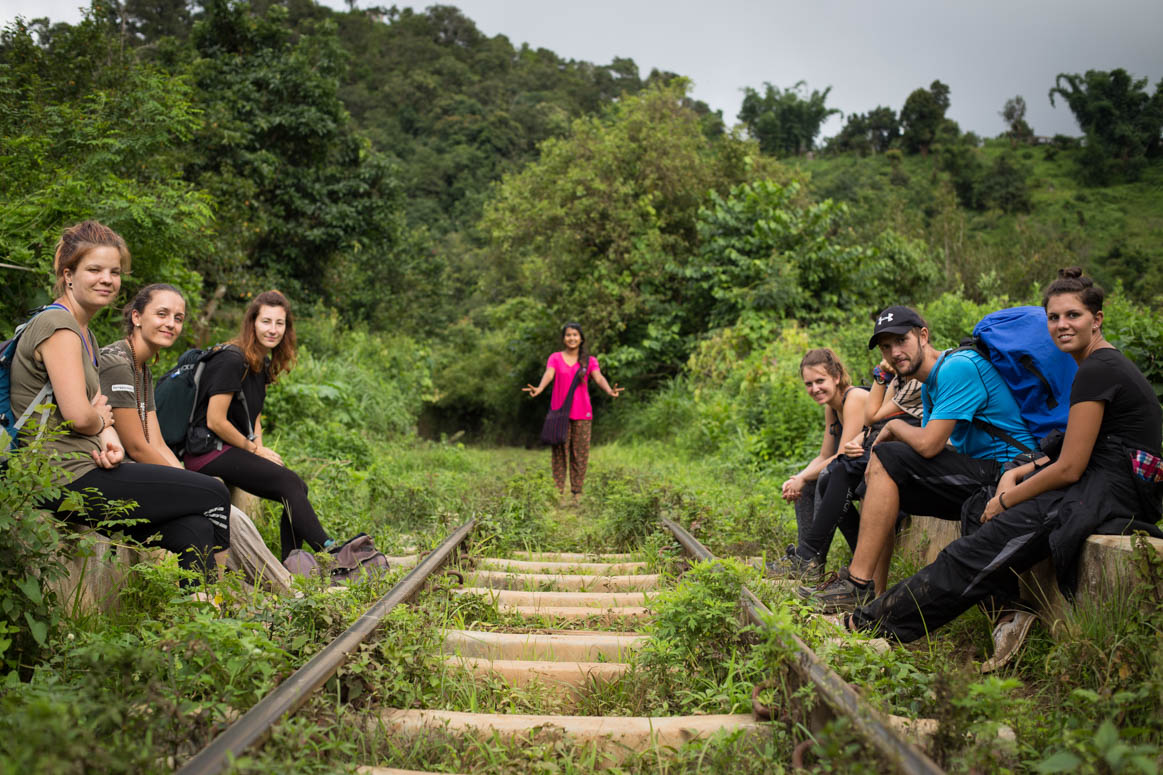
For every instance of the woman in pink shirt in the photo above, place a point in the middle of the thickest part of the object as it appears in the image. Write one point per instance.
(561, 368)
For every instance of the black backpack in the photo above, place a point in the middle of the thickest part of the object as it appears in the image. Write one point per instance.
(176, 396)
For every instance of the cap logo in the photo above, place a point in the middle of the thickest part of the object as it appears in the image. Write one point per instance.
(887, 318)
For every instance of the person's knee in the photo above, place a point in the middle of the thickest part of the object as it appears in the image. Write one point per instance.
(876, 476)
(194, 533)
(218, 490)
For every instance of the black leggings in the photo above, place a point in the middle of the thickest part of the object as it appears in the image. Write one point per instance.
(834, 509)
(257, 475)
(188, 513)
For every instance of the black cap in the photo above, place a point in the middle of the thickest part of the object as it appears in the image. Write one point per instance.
(895, 320)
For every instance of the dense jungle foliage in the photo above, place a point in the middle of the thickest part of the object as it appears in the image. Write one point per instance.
(437, 202)
(419, 177)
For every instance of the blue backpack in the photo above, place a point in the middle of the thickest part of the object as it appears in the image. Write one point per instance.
(1017, 342)
(8, 419)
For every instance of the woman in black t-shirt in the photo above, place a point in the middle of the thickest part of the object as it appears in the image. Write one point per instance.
(264, 348)
(1107, 478)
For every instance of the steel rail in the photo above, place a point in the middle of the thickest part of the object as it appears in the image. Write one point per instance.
(255, 725)
(835, 691)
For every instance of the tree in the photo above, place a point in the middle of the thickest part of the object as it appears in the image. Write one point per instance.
(1121, 120)
(873, 132)
(785, 122)
(922, 117)
(90, 132)
(603, 225)
(1014, 114)
(1005, 187)
(457, 109)
(764, 250)
(297, 188)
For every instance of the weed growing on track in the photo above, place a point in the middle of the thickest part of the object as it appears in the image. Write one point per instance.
(140, 689)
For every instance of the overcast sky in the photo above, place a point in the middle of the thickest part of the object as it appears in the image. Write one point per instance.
(870, 53)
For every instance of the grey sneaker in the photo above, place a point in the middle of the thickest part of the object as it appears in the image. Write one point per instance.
(838, 593)
(792, 566)
(1008, 638)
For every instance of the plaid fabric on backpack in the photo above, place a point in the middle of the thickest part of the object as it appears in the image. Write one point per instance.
(1147, 466)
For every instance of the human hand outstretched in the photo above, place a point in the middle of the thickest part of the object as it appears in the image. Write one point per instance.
(532, 391)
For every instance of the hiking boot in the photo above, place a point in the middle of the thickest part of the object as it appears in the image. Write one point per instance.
(838, 593)
(1008, 638)
(792, 566)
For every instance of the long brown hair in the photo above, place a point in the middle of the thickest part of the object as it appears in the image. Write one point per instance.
(283, 356)
(76, 242)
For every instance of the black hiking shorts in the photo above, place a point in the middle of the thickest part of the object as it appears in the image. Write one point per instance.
(935, 486)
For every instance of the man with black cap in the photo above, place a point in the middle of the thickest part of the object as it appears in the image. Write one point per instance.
(967, 406)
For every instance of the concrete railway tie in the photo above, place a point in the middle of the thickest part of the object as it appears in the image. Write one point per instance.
(565, 662)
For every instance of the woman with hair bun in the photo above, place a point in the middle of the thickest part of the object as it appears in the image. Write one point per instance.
(1106, 477)
(829, 385)
(228, 418)
(561, 368)
(188, 513)
(153, 321)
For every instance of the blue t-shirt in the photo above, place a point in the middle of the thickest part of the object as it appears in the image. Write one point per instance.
(963, 385)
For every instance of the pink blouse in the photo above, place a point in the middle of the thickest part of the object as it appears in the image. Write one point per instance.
(563, 378)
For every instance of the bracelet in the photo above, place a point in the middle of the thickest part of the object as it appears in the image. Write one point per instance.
(1001, 498)
(103, 424)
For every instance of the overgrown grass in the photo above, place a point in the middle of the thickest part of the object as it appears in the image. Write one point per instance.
(142, 688)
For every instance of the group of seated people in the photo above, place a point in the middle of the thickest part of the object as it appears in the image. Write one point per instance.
(958, 449)
(110, 441)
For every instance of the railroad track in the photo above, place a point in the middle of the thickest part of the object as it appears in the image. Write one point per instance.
(561, 587)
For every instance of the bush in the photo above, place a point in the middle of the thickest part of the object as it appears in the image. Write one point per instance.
(30, 549)
(361, 386)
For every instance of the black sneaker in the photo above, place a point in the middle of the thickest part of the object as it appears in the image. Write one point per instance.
(838, 593)
(792, 566)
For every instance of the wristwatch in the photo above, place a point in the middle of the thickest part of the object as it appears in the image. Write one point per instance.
(879, 375)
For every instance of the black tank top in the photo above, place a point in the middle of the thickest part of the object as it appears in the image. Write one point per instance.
(837, 426)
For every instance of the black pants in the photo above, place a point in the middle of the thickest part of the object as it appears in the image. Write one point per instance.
(968, 571)
(265, 479)
(187, 512)
(833, 508)
(935, 486)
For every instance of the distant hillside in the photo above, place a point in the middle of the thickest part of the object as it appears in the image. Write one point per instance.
(457, 109)
(1004, 217)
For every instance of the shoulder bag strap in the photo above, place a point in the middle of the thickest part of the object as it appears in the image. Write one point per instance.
(45, 395)
(578, 376)
(977, 422)
(198, 389)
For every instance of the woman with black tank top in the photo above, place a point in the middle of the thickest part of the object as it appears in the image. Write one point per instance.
(263, 349)
(829, 385)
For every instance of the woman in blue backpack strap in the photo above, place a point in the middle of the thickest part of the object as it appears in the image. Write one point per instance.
(189, 513)
(263, 349)
(153, 321)
(1106, 478)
